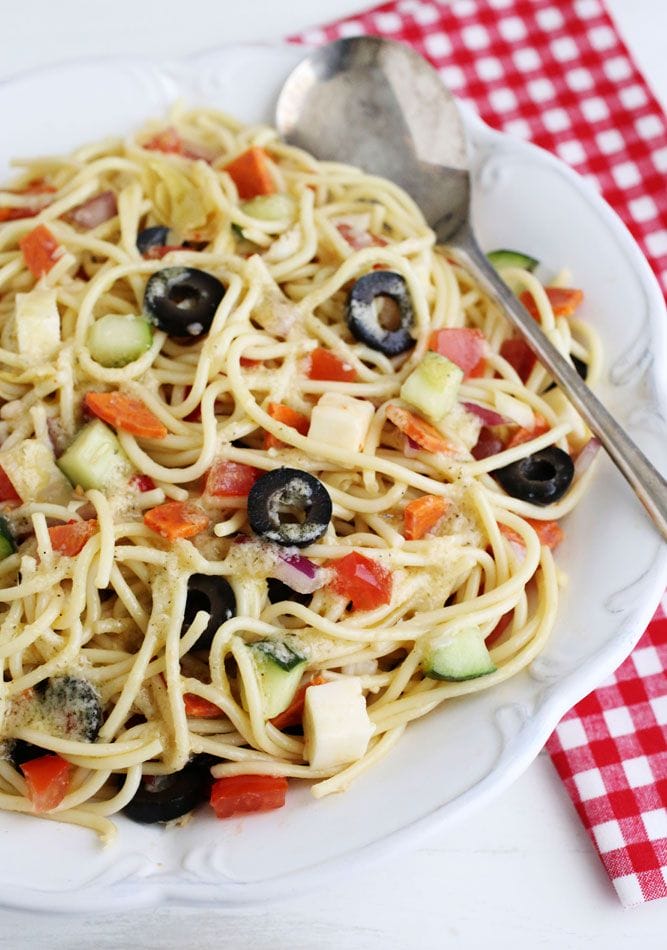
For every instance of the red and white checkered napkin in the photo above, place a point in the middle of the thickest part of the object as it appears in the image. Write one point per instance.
(556, 72)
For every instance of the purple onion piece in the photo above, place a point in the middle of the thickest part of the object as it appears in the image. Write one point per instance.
(488, 416)
(586, 456)
(299, 573)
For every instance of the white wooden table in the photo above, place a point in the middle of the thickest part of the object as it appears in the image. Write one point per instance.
(521, 874)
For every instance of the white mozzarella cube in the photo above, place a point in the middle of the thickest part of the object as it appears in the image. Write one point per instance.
(32, 470)
(336, 725)
(341, 421)
(37, 324)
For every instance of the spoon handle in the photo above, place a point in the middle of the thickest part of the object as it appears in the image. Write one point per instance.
(646, 481)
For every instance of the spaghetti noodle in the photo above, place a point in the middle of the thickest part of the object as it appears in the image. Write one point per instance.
(100, 603)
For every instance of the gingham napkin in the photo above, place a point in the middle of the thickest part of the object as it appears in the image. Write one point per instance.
(556, 72)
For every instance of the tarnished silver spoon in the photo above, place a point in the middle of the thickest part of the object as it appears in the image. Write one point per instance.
(377, 104)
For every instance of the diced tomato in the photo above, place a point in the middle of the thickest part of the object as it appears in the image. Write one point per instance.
(363, 581)
(422, 514)
(70, 539)
(464, 346)
(243, 794)
(326, 365)
(539, 427)
(142, 482)
(47, 780)
(519, 355)
(564, 301)
(419, 430)
(499, 628)
(289, 417)
(40, 250)
(176, 519)
(200, 708)
(7, 490)
(251, 174)
(231, 479)
(167, 141)
(488, 444)
(358, 240)
(293, 715)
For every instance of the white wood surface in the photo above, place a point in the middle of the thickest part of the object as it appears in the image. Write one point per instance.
(521, 874)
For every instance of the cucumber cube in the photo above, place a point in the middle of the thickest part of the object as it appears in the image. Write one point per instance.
(95, 459)
(463, 656)
(119, 338)
(279, 670)
(433, 386)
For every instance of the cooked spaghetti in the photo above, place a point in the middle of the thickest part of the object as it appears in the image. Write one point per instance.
(276, 478)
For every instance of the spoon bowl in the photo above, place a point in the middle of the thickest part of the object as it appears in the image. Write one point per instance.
(378, 105)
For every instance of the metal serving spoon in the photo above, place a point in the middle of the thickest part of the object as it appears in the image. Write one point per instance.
(378, 105)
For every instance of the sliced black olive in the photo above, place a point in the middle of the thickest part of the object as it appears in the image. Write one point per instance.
(364, 312)
(157, 236)
(165, 797)
(182, 300)
(541, 478)
(579, 365)
(289, 506)
(21, 752)
(216, 597)
(71, 707)
(279, 592)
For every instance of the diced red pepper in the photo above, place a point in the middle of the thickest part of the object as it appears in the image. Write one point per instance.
(564, 301)
(293, 715)
(230, 479)
(244, 794)
(325, 365)
(419, 430)
(464, 346)
(47, 780)
(363, 581)
(422, 514)
(36, 187)
(176, 519)
(251, 174)
(200, 708)
(550, 533)
(539, 427)
(71, 538)
(289, 417)
(7, 490)
(40, 250)
(519, 355)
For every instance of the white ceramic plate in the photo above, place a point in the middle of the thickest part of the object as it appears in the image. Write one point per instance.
(463, 754)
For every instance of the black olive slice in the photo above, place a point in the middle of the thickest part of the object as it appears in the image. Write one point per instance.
(21, 752)
(289, 506)
(71, 707)
(216, 597)
(182, 301)
(363, 314)
(157, 236)
(541, 478)
(579, 365)
(278, 591)
(165, 797)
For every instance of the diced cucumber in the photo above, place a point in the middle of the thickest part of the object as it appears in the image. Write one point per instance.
(119, 339)
(279, 669)
(31, 468)
(433, 386)
(7, 543)
(95, 458)
(463, 656)
(506, 258)
(269, 207)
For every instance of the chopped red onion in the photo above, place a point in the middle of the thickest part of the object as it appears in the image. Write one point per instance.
(95, 211)
(488, 416)
(488, 444)
(411, 448)
(299, 573)
(586, 456)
